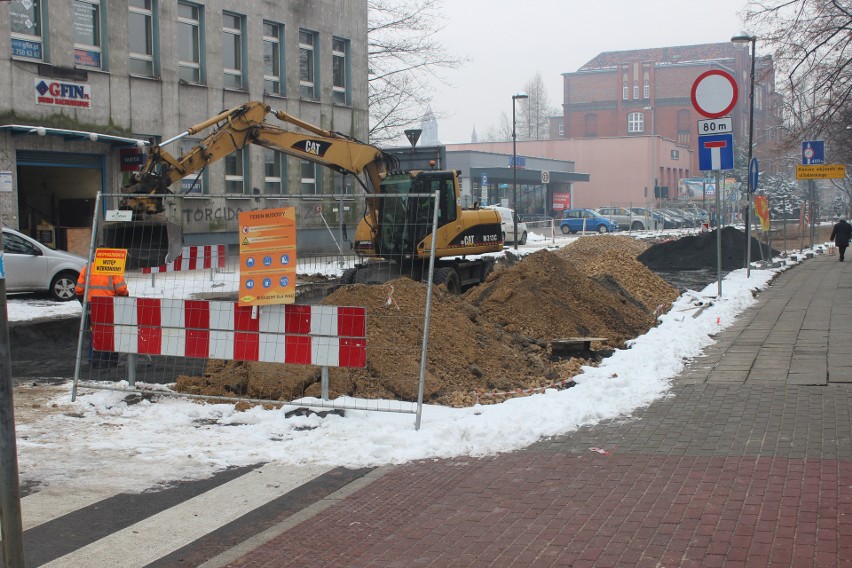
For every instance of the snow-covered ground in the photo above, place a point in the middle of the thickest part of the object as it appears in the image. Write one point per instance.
(110, 443)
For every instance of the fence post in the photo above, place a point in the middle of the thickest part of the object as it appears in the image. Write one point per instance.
(425, 346)
(85, 317)
(131, 369)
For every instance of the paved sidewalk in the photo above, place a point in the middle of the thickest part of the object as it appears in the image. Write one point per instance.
(747, 463)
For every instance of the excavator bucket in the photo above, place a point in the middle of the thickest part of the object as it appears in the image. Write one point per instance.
(175, 241)
(148, 243)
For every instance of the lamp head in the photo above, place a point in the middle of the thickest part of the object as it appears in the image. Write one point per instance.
(742, 38)
(520, 96)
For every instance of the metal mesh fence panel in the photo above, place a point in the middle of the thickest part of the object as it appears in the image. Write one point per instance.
(182, 330)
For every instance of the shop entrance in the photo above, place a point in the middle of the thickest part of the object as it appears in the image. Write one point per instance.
(56, 197)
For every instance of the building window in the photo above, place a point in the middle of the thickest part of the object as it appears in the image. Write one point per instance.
(275, 172)
(235, 167)
(190, 42)
(143, 52)
(590, 126)
(339, 70)
(561, 129)
(310, 178)
(625, 91)
(636, 122)
(343, 184)
(233, 50)
(635, 89)
(307, 65)
(273, 56)
(647, 93)
(88, 23)
(26, 17)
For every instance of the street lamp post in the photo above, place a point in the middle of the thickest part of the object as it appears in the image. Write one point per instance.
(515, 170)
(743, 38)
(653, 181)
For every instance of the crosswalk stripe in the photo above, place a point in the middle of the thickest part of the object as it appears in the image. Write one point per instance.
(160, 534)
(46, 505)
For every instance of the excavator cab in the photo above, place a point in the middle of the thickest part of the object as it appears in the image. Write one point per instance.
(406, 213)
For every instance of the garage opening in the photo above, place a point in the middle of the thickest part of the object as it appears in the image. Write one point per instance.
(56, 197)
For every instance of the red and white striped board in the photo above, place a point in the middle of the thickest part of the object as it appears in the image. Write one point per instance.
(328, 336)
(192, 258)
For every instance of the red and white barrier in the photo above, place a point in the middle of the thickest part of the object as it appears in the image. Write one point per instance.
(193, 258)
(328, 336)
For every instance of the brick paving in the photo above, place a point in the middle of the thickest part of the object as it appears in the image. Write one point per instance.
(747, 463)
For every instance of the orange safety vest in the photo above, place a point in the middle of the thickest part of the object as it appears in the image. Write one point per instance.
(101, 285)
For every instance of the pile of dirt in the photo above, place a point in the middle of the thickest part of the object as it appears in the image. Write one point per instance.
(547, 297)
(496, 337)
(614, 258)
(697, 252)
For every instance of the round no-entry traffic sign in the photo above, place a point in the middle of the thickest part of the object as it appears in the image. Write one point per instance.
(714, 93)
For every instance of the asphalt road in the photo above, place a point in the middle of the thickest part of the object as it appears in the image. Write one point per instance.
(44, 348)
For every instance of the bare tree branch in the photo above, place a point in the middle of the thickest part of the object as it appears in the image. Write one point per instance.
(405, 56)
(812, 43)
(533, 122)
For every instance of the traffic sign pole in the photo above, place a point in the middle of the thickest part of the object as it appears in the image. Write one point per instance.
(11, 524)
(714, 94)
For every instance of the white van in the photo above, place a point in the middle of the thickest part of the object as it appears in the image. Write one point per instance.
(507, 219)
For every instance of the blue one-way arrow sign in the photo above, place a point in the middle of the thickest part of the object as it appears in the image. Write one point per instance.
(752, 174)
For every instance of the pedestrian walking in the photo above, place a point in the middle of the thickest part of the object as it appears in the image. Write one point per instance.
(840, 234)
(99, 285)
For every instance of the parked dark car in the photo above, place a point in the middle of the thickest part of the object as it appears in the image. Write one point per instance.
(652, 217)
(679, 220)
(690, 218)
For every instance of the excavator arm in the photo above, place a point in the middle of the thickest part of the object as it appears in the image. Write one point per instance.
(243, 125)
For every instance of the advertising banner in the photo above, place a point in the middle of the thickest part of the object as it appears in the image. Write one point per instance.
(62, 93)
(761, 209)
(561, 201)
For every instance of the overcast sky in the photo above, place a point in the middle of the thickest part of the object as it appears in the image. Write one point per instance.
(507, 42)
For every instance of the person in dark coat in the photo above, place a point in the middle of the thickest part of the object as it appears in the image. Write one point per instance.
(840, 234)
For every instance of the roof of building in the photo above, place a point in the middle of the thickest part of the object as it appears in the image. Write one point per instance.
(663, 55)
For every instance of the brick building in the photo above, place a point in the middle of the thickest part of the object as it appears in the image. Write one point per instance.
(647, 93)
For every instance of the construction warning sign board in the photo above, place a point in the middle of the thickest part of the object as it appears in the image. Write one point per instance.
(821, 171)
(267, 257)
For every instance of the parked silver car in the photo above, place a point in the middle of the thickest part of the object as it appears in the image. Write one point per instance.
(33, 267)
(626, 218)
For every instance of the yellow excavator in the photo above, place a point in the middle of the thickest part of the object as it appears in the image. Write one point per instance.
(394, 236)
